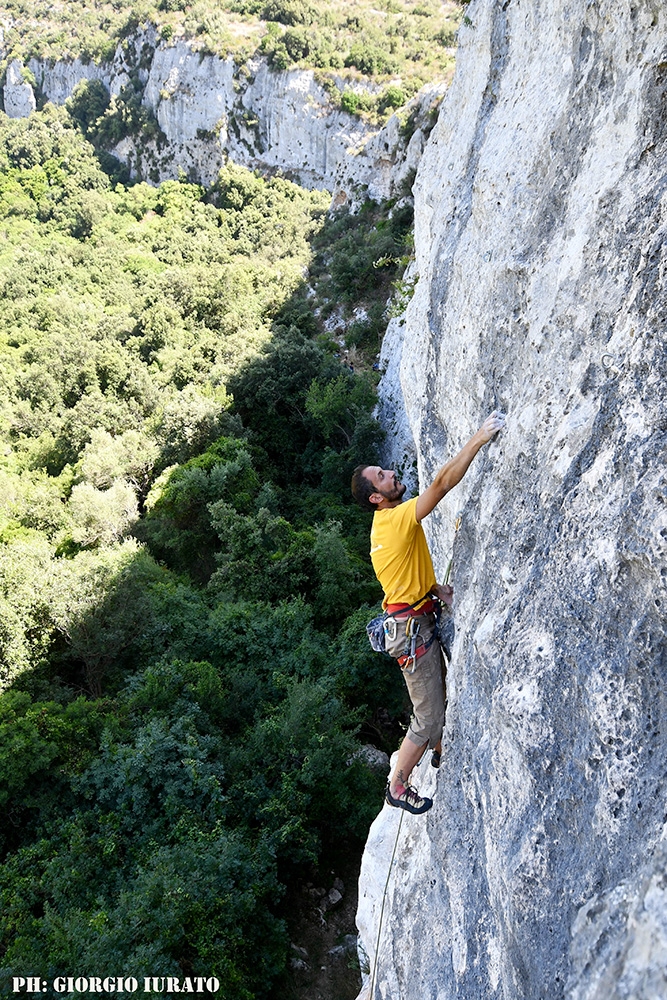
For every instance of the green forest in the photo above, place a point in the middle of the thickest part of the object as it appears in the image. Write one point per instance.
(183, 578)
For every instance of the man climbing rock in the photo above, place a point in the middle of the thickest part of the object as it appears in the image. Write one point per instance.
(402, 564)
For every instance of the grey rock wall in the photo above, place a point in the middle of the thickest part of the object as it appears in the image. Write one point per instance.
(541, 229)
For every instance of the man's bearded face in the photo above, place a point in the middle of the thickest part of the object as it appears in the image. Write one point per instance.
(386, 483)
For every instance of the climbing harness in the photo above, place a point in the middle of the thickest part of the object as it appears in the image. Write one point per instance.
(384, 626)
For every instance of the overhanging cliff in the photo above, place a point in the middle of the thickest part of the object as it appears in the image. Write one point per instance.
(541, 220)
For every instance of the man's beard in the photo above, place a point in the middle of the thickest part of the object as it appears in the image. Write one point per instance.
(395, 493)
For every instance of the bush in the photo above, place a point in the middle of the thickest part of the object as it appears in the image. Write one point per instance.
(102, 517)
(446, 37)
(311, 791)
(178, 526)
(297, 43)
(100, 604)
(26, 622)
(351, 247)
(193, 904)
(42, 746)
(88, 104)
(290, 12)
(349, 101)
(260, 546)
(370, 59)
(270, 397)
(393, 97)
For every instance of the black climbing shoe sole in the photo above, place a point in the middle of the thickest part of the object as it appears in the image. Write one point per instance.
(404, 803)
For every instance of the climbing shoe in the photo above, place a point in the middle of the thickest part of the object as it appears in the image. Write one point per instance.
(435, 758)
(409, 799)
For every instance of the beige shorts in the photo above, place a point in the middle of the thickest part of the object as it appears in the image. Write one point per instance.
(426, 684)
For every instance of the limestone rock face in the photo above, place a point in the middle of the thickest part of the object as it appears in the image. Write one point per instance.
(18, 93)
(541, 227)
(58, 80)
(210, 109)
(280, 120)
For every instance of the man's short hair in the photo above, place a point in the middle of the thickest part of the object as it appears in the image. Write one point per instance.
(362, 488)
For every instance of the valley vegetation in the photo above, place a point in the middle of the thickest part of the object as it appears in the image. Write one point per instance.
(183, 578)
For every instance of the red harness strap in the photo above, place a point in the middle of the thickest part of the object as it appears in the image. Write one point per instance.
(419, 651)
(407, 610)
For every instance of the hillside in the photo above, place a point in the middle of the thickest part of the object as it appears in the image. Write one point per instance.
(399, 44)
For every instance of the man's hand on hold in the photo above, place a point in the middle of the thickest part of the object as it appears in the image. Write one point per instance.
(451, 474)
(493, 423)
(445, 593)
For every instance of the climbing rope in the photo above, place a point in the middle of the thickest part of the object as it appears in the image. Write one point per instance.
(457, 525)
(384, 897)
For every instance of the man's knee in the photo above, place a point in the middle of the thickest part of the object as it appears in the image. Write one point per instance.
(427, 723)
(416, 737)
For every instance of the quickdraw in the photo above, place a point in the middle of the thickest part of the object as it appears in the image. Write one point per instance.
(408, 661)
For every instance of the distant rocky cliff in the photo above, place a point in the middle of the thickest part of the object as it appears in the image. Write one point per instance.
(209, 108)
(541, 245)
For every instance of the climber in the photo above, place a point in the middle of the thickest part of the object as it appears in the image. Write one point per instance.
(402, 564)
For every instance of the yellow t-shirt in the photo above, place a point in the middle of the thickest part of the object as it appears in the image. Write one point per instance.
(400, 555)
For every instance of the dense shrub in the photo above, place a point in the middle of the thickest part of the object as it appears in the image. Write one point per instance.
(178, 524)
(270, 397)
(88, 104)
(43, 745)
(297, 43)
(370, 59)
(358, 257)
(290, 12)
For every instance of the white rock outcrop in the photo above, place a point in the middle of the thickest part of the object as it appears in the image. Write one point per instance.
(18, 93)
(279, 120)
(541, 255)
(210, 109)
(58, 80)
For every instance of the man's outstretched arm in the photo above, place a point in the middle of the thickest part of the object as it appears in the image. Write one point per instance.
(453, 472)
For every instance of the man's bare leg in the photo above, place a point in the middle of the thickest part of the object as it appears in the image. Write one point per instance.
(409, 755)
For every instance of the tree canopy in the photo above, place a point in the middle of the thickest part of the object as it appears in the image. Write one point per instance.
(183, 665)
